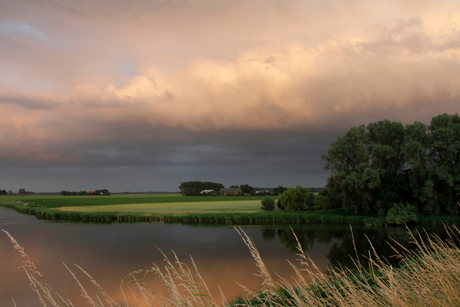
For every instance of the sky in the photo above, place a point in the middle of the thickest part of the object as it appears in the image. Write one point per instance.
(142, 95)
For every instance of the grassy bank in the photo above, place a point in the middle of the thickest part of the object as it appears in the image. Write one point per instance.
(230, 210)
(232, 218)
(428, 276)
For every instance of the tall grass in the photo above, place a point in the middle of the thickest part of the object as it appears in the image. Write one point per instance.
(426, 276)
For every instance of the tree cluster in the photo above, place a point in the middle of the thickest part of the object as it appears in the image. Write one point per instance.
(296, 199)
(194, 188)
(3, 192)
(96, 192)
(245, 188)
(386, 163)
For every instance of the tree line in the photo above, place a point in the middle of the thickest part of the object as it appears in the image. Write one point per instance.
(96, 192)
(195, 188)
(385, 163)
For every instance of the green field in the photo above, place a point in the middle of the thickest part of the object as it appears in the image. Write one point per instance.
(145, 203)
(174, 207)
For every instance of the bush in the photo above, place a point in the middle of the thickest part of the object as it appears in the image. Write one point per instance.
(297, 199)
(268, 204)
(401, 214)
(322, 202)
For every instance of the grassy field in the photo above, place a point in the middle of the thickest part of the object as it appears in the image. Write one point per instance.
(174, 207)
(183, 209)
(152, 203)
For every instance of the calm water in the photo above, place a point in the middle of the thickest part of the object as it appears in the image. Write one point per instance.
(110, 251)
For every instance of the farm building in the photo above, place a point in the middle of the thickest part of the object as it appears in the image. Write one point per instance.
(231, 191)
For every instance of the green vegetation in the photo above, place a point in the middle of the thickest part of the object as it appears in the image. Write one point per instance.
(296, 199)
(427, 276)
(374, 167)
(243, 210)
(121, 199)
(401, 214)
(268, 204)
(194, 188)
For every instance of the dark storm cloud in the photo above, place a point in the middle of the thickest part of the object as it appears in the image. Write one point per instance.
(203, 90)
(25, 101)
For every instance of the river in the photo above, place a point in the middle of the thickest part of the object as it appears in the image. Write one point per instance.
(111, 251)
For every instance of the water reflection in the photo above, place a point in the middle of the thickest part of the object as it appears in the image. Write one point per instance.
(110, 252)
(348, 245)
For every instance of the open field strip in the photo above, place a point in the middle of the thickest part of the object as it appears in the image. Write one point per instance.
(58, 201)
(247, 206)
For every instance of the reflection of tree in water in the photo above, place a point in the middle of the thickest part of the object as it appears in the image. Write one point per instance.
(307, 237)
(381, 239)
(341, 254)
(268, 234)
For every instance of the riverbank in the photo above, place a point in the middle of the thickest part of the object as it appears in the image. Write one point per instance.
(229, 215)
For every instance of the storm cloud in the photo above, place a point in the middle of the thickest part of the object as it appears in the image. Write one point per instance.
(141, 95)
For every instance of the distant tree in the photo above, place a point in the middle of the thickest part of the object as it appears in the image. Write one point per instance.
(22, 191)
(102, 192)
(193, 188)
(3, 192)
(279, 190)
(234, 186)
(246, 188)
(268, 204)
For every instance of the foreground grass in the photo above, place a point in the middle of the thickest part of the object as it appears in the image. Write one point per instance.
(428, 276)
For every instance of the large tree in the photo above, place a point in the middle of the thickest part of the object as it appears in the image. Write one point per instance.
(420, 168)
(445, 132)
(367, 167)
(374, 167)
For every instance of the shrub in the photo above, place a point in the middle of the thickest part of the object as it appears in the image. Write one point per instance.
(297, 199)
(279, 205)
(322, 202)
(268, 204)
(401, 214)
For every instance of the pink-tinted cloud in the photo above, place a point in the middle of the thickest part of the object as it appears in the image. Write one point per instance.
(82, 78)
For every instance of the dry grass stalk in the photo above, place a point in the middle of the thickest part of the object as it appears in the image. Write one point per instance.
(31, 271)
(268, 284)
(101, 290)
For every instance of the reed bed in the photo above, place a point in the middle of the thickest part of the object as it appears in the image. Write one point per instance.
(426, 276)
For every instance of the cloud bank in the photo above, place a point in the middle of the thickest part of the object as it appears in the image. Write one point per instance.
(205, 84)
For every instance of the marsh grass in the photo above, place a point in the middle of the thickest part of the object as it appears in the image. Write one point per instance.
(426, 276)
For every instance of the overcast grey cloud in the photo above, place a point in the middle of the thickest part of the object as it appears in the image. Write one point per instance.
(141, 95)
